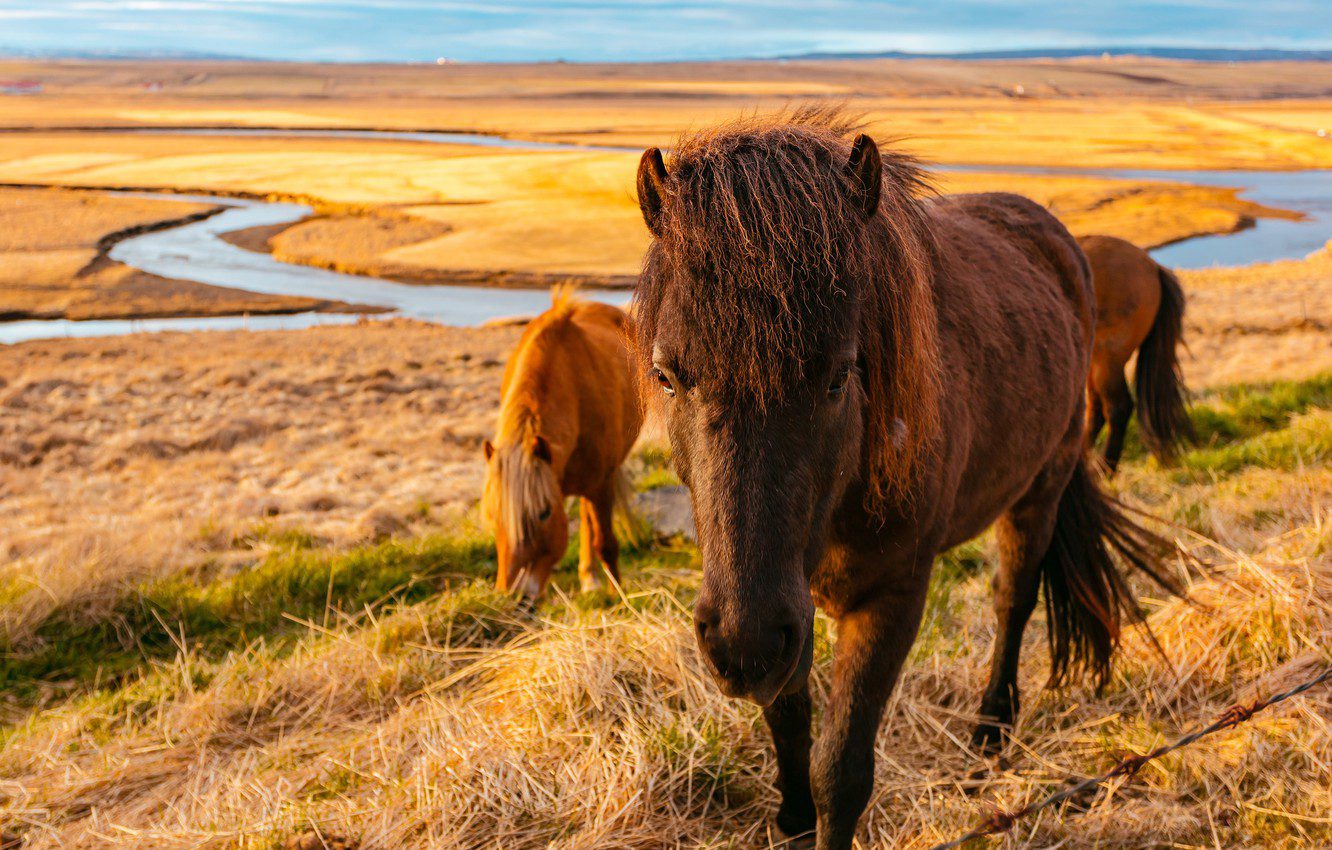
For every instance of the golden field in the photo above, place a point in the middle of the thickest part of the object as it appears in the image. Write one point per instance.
(427, 213)
(1118, 112)
(434, 213)
(245, 595)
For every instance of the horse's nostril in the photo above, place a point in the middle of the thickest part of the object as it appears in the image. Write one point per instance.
(702, 629)
(788, 639)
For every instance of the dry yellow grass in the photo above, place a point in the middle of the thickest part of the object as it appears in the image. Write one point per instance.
(1123, 112)
(458, 723)
(452, 720)
(462, 215)
(540, 219)
(134, 455)
(1259, 323)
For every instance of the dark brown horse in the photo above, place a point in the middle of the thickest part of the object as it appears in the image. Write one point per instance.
(854, 380)
(1139, 307)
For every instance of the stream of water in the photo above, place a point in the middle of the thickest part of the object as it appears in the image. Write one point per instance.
(197, 252)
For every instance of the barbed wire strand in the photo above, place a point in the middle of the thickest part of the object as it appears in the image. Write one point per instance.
(1001, 821)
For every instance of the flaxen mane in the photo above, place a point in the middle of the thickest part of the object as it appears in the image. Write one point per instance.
(522, 485)
(769, 261)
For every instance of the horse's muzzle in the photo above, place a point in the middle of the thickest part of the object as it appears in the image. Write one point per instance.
(756, 664)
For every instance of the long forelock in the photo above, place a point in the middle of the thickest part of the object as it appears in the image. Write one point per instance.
(762, 241)
(762, 262)
(526, 484)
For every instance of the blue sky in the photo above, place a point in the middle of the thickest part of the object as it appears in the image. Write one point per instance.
(627, 30)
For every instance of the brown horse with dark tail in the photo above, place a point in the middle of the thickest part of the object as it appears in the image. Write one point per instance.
(855, 377)
(1139, 307)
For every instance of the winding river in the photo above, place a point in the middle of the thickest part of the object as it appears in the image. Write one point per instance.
(196, 251)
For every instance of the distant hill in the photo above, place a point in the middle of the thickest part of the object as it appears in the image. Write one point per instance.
(135, 55)
(1198, 54)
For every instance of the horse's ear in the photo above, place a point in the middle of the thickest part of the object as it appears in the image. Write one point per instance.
(540, 448)
(652, 188)
(489, 448)
(864, 170)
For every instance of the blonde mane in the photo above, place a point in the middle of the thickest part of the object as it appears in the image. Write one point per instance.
(519, 485)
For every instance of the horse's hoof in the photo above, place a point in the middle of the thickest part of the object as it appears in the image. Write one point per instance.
(989, 738)
(803, 841)
(593, 585)
(797, 828)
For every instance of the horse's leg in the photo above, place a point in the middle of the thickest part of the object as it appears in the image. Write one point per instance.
(873, 642)
(1095, 420)
(608, 548)
(1118, 403)
(589, 572)
(788, 720)
(1024, 534)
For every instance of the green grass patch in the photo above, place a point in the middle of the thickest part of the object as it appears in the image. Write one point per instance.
(650, 468)
(152, 621)
(1242, 412)
(1306, 441)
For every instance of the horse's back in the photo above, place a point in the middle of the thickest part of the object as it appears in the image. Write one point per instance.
(575, 358)
(1016, 317)
(1128, 292)
(1026, 240)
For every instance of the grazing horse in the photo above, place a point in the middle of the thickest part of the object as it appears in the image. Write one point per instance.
(855, 377)
(569, 414)
(1139, 307)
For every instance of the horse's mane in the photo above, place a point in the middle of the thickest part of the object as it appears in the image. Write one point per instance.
(763, 256)
(522, 483)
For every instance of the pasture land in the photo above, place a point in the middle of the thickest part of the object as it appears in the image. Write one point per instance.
(426, 213)
(321, 648)
(243, 590)
(1080, 112)
(457, 214)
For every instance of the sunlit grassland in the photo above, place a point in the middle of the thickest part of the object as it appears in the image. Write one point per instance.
(388, 692)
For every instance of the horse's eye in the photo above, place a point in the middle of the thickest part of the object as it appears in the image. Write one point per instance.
(839, 381)
(665, 381)
(545, 514)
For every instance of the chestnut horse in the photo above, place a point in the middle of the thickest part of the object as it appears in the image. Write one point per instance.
(1139, 307)
(854, 379)
(569, 414)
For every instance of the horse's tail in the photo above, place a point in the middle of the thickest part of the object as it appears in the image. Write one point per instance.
(631, 529)
(1159, 386)
(1086, 596)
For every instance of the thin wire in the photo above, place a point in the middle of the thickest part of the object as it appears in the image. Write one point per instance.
(1002, 821)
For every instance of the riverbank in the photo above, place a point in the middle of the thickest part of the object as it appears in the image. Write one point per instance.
(54, 262)
(443, 214)
(557, 235)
